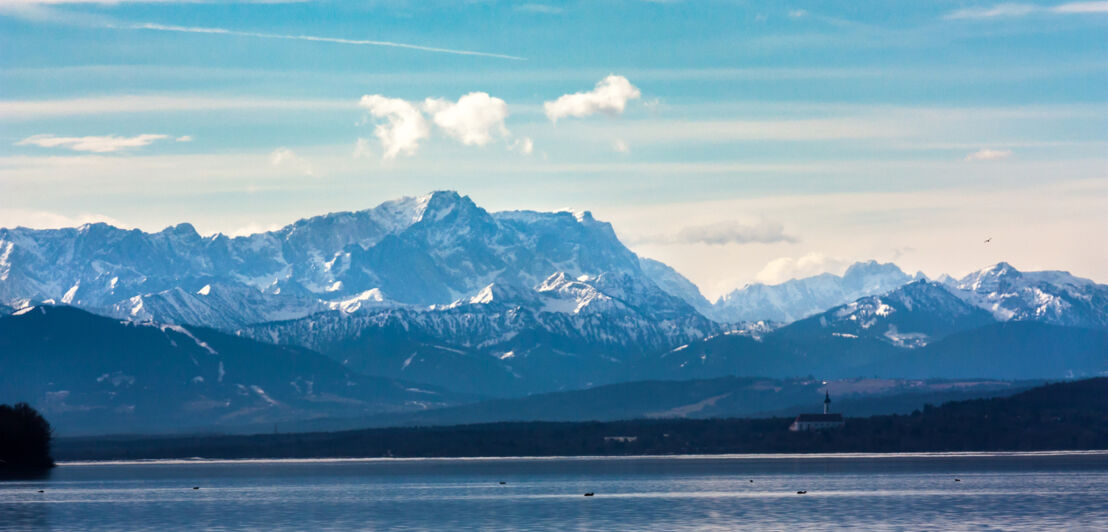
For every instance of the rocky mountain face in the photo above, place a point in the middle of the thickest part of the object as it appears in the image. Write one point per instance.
(1052, 297)
(563, 333)
(414, 252)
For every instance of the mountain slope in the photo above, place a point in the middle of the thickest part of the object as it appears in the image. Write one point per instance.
(1052, 297)
(1010, 350)
(564, 333)
(920, 330)
(93, 374)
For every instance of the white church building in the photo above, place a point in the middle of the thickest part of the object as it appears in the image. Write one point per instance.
(823, 421)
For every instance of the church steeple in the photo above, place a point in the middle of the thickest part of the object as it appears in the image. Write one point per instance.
(826, 402)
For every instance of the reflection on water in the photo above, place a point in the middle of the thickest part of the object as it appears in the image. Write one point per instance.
(913, 492)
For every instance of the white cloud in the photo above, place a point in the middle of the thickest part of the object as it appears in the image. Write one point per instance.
(797, 13)
(723, 233)
(1020, 10)
(782, 269)
(524, 145)
(51, 220)
(620, 146)
(362, 149)
(540, 8)
(95, 144)
(252, 228)
(610, 97)
(473, 120)
(405, 126)
(286, 158)
(476, 119)
(734, 233)
(130, 104)
(988, 155)
(1081, 7)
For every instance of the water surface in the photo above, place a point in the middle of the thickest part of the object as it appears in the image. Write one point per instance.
(996, 491)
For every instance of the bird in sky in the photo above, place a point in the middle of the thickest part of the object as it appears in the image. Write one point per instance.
(987, 240)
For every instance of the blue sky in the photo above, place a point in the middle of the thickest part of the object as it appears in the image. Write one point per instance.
(750, 142)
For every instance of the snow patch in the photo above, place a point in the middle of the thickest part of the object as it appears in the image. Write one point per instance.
(67, 298)
(181, 330)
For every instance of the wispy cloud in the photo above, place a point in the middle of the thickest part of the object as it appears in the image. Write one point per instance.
(313, 38)
(123, 104)
(723, 233)
(38, 219)
(285, 158)
(540, 8)
(1020, 10)
(783, 269)
(95, 144)
(610, 96)
(988, 155)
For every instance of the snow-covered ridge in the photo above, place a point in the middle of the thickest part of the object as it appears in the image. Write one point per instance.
(1048, 296)
(421, 251)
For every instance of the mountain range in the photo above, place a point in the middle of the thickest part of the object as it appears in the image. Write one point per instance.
(470, 304)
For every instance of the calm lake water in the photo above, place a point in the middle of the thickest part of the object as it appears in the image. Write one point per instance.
(894, 492)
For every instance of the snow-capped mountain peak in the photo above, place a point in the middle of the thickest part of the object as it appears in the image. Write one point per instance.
(1055, 297)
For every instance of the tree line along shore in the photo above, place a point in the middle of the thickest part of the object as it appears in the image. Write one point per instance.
(1061, 416)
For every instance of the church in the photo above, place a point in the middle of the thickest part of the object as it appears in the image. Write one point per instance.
(823, 421)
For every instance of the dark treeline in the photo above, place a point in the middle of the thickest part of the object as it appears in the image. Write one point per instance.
(1072, 415)
(24, 440)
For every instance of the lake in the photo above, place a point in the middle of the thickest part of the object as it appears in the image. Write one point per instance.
(995, 491)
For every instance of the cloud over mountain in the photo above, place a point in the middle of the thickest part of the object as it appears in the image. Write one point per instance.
(610, 96)
(404, 125)
(730, 232)
(473, 120)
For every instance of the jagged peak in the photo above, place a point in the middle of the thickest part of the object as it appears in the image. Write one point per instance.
(872, 267)
(182, 229)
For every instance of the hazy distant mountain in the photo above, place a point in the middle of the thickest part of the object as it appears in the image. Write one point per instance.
(702, 398)
(800, 298)
(920, 330)
(88, 373)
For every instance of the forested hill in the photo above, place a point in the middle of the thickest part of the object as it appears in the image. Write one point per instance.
(1061, 416)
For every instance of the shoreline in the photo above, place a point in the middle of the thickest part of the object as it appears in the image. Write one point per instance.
(643, 457)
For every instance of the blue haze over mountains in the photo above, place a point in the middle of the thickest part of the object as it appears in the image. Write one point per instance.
(438, 302)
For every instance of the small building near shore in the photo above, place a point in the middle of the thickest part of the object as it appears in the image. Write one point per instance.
(823, 421)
